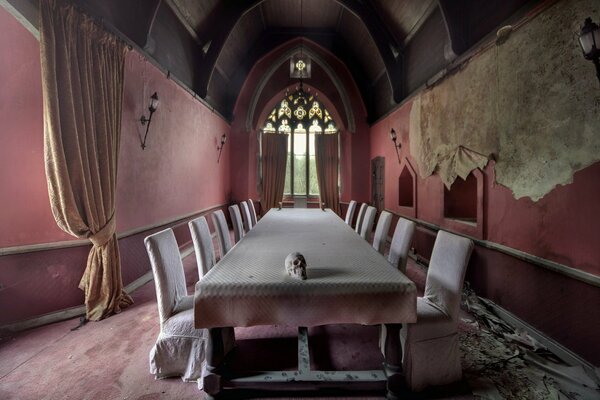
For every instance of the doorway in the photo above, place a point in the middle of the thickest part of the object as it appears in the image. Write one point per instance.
(378, 183)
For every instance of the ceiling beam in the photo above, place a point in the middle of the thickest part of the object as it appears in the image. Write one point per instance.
(391, 52)
(456, 17)
(223, 21)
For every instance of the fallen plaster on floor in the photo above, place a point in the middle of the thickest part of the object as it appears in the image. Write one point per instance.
(502, 362)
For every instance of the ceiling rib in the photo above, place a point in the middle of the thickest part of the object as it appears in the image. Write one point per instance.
(384, 41)
(454, 13)
(228, 17)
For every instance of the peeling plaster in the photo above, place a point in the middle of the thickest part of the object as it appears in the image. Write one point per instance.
(533, 101)
(549, 103)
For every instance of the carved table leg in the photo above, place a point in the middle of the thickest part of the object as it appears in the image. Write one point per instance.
(393, 362)
(215, 353)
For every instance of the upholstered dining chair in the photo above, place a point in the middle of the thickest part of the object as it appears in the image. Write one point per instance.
(431, 354)
(220, 224)
(359, 218)
(179, 348)
(247, 217)
(381, 231)
(367, 223)
(203, 245)
(252, 211)
(236, 220)
(401, 241)
(350, 212)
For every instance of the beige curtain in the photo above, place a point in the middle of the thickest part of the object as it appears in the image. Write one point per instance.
(326, 152)
(82, 78)
(274, 159)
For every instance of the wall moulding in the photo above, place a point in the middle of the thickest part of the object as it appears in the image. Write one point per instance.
(173, 222)
(562, 269)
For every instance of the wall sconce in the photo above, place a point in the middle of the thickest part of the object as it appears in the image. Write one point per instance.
(589, 40)
(397, 146)
(220, 148)
(146, 121)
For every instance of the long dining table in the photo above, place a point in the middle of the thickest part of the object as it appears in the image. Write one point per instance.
(348, 282)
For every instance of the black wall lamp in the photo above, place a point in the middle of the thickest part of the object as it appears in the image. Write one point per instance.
(146, 121)
(220, 148)
(589, 40)
(397, 146)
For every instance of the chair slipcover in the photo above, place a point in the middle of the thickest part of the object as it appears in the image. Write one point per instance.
(350, 212)
(381, 231)
(247, 217)
(431, 354)
(367, 223)
(252, 211)
(401, 243)
(203, 245)
(360, 217)
(179, 348)
(220, 224)
(236, 221)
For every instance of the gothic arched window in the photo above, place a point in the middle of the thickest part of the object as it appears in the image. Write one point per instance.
(302, 116)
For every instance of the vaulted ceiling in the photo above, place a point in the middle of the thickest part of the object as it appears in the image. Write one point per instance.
(391, 47)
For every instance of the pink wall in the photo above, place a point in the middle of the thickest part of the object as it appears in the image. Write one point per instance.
(561, 227)
(177, 174)
(25, 214)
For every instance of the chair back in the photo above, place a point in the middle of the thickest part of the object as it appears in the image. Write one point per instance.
(252, 211)
(446, 272)
(203, 245)
(367, 224)
(220, 224)
(401, 241)
(167, 268)
(361, 215)
(350, 212)
(381, 231)
(236, 221)
(247, 217)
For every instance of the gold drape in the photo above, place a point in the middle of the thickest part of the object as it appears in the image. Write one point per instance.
(82, 79)
(326, 155)
(274, 159)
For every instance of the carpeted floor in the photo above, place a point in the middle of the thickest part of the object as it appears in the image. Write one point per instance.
(109, 359)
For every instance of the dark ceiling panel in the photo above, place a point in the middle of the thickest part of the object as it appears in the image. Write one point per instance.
(174, 48)
(321, 14)
(361, 45)
(245, 33)
(402, 16)
(281, 13)
(194, 12)
(425, 52)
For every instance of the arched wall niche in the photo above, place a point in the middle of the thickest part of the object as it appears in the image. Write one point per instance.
(462, 210)
(407, 189)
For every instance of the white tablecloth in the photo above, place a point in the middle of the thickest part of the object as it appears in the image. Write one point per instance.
(348, 281)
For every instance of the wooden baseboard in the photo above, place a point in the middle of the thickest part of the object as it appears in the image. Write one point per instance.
(558, 349)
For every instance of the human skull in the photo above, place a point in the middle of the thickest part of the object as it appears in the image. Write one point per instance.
(295, 265)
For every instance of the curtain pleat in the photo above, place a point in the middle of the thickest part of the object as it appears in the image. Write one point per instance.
(82, 79)
(326, 152)
(274, 159)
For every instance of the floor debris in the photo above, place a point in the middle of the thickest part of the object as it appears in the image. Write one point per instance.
(502, 362)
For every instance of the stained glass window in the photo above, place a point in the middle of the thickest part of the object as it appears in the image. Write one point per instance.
(302, 116)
